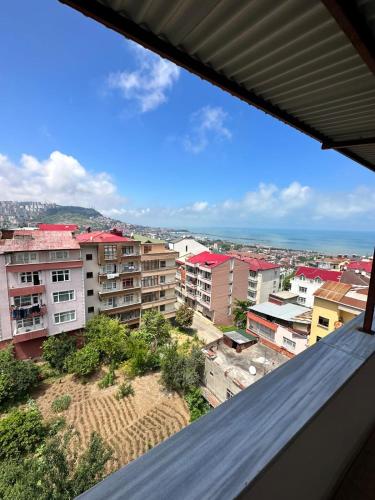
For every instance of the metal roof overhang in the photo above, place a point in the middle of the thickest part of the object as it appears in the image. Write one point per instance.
(309, 63)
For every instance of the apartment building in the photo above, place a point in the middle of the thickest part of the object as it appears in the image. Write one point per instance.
(112, 275)
(308, 279)
(41, 288)
(158, 276)
(335, 304)
(188, 246)
(263, 279)
(210, 283)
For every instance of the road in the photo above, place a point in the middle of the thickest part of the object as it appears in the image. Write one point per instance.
(206, 331)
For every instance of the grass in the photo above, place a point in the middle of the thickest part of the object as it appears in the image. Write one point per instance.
(230, 328)
(124, 390)
(61, 404)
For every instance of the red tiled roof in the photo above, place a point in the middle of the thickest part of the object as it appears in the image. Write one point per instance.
(101, 237)
(58, 227)
(360, 265)
(259, 264)
(35, 240)
(208, 259)
(314, 272)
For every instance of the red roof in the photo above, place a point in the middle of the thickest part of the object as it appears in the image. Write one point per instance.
(259, 264)
(101, 237)
(360, 265)
(35, 240)
(58, 227)
(314, 272)
(208, 259)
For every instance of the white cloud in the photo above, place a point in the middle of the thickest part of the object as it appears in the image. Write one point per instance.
(149, 83)
(60, 179)
(207, 124)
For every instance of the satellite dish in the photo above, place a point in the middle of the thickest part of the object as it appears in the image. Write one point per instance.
(252, 370)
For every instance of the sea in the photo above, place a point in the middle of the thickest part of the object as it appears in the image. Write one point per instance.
(325, 241)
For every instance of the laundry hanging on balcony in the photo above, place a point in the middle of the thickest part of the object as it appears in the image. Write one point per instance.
(25, 312)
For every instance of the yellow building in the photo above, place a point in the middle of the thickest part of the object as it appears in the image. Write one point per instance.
(334, 305)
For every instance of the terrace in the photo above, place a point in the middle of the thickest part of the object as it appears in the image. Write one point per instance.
(311, 65)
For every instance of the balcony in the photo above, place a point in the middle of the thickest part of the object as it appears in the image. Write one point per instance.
(205, 277)
(120, 305)
(130, 269)
(14, 316)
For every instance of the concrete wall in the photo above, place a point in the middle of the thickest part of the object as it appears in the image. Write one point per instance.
(217, 381)
(5, 323)
(268, 282)
(311, 285)
(188, 245)
(91, 283)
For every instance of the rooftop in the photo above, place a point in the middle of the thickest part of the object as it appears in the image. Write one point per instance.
(208, 259)
(285, 312)
(147, 239)
(314, 272)
(58, 227)
(344, 294)
(101, 237)
(30, 241)
(352, 277)
(259, 264)
(240, 336)
(284, 295)
(360, 265)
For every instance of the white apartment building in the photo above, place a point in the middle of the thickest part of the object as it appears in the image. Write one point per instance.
(308, 279)
(264, 278)
(188, 246)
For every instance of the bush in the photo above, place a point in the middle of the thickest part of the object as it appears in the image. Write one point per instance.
(83, 362)
(57, 348)
(46, 372)
(198, 406)
(125, 390)
(108, 379)
(16, 377)
(184, 316)
(108, 336)
(61, 404)
(21, 432)
(142, 359)
(181, 370)
(155, 329)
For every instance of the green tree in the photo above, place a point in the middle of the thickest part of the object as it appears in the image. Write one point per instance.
(16, 377)
(240, 309)
(83, 362)
(155, 329)
(109, 338)
(141, 358)
(184, 316)
(198, 406)
(21, 432)
(57, 348)
(286, 283)
(181, 371)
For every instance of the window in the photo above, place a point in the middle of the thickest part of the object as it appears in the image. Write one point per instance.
(229, 394)
(90, 293)
(318, 280)
(162, 294)
(323, 322)
(253, 274)
(252, 294)
(147, 248)
(110, 302)
(162, 279)
(289, 344)
(127, 283)
(30, 277)
(129, 299)
(162, 263)
(318, 338)
(301, 300)
(109, 285)
(65, 317)
(110, 252)
(302, 278)
(149, 281)
(26, 300)
(25, 257)
(302, 289)
(91, 310)
(162, 308)
(59, 255)
(62, 275)
(89, 275)
(63, 296)
(109, 268)
(89, 256)
(128, 250)
(28, 322)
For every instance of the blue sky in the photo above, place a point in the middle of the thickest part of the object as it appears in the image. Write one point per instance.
(87, 118)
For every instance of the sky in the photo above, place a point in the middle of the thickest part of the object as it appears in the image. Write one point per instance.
(91, 119)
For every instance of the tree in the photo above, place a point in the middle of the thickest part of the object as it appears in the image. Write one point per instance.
(109, 338)
(141, 358)
(83, 362)
(184, 316)
(21, 432)
(240, 309)
(155, 329)
(181, 371)
(16, 377)
(198, 406)
(286, 283)
(57, 348)
(55, 472)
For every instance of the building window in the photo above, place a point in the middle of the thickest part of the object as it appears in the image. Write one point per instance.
(25, 257)
(323, 322)
(109, 285)
(90, 293)
(149, 281)
(109, 268)
(63, 296)
(129, 299)
(147, 248)
(253, 274)
(89, 256)
(301, 300)
(302, 278)
(162, 294)
(162, 308)
(289, 344)
(150, 265)
(26, 300)
(229, 394)
(127, 250)
(62, 275)
(91, 310)
(162, 280)
(128, 283)
(110, 302)
(302, 289)
(59, 255)
(28, 322)
(89, 275)
(318, 338)
(30, 277)
(162, 263)
(65, 317)
(110, 252)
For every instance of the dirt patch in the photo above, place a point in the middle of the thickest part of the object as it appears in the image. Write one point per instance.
(131, 426)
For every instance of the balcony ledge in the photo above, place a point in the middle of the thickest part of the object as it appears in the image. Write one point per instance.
(318, 408)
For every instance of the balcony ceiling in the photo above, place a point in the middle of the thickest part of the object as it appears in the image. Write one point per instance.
(309, 63)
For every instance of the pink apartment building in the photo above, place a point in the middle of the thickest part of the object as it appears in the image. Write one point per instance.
(41, 288)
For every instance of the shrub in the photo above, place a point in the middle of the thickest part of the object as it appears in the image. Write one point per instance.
(108, 336)
(108, 379)
(46, 371)
(16, 377)
(61, 404)
(155, 329)
(181, 370)
(21, 432)
(198, 406)
(57, 348)
(125, 390)
(184, 316)
(83, 362)
(141, 358)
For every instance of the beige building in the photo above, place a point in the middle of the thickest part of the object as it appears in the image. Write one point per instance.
(158, 276)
